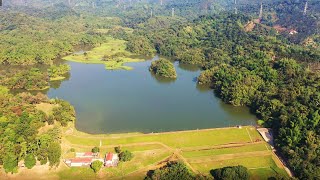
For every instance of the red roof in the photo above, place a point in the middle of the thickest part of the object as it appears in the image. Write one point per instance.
(109, 156)
(81, 160)
(88, 154)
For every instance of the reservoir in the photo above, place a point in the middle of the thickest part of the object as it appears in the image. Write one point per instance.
(118, 101)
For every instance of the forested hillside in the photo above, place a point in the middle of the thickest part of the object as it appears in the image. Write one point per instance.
(21, 118)
(288, 15)
(258, 69)
(29, 39)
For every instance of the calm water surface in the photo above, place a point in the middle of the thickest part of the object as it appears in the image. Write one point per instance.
(129, 101)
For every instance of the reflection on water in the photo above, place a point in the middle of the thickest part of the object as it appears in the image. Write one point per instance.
(162, 80)
(203, 88)
(137, 100)
(57, 84)
(189, 67)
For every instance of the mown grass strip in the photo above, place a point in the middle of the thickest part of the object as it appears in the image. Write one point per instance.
(220, 151)
(175, 140)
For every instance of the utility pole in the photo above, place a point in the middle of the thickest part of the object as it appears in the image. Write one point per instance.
(235, 7)
(161, 2)
(151, 13)
(172, 12)
(305, 8)
(260, 14)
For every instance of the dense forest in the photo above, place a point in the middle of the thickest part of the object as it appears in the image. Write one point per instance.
(21, 136)
(263, 61)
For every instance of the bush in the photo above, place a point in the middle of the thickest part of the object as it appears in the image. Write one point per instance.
(117, 149)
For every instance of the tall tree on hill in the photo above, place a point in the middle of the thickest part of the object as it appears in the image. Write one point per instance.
(54, 153)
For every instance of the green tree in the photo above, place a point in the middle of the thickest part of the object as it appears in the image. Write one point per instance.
(231, 173)
(54, 153)
(96, 166)
(95, 150)
(30, 161)
(10, 163)
(125, 156)
(172, 171)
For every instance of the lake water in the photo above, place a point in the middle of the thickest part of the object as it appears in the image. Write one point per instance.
(137, 101)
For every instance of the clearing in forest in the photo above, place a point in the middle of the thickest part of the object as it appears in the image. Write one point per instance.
(112, 53)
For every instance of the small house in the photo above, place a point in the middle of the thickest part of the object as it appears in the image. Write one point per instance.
(77, 162)
(111, 160)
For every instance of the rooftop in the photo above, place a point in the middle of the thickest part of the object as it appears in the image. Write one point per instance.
(81, 160)
(109, 156)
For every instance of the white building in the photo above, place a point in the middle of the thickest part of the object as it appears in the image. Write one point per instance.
(77, 162)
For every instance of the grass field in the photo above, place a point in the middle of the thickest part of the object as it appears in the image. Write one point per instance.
(220, 151)
(112, 53)
(201, 150)
(175, 140)
(260, 167)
